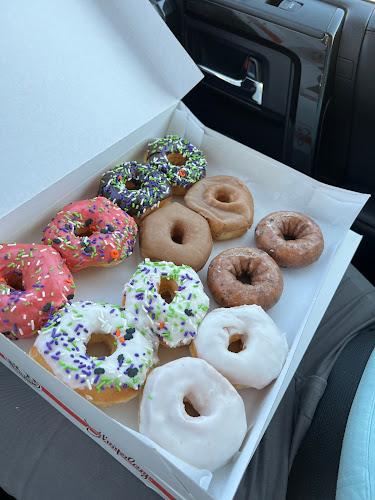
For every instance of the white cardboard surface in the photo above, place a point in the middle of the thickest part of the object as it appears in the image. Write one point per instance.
(77, 77)
(270, 183)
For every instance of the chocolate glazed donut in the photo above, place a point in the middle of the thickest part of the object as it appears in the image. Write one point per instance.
(243, 275)
(290, 238)
(177, 234)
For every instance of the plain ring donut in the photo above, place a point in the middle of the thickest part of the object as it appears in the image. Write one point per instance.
(176, 234)
(193, 412)
(243, 275)
(225, 202)
(243, 344)
(290, 238)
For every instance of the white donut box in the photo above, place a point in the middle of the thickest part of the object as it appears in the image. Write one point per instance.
(87, 88)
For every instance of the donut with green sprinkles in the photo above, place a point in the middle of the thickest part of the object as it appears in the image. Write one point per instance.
(91, 233)
(34, 283)
(182, 162)
(137, 188)
(112, 376)
(167, 298)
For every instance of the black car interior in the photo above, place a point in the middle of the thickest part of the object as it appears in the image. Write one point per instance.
(293, 80)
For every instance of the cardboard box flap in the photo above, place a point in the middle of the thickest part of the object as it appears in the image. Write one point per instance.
(78, 76)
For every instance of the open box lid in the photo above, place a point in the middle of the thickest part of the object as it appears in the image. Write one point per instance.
(77, 77)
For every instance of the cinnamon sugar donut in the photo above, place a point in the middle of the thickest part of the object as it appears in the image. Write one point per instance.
(177, 234)
(225, 202)
(240, 276)
(290, 238)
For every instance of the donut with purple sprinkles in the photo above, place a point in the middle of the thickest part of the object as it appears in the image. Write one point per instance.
(167, 298)
(183, 163)
(115, 377)
(91, 233)
(136, 188)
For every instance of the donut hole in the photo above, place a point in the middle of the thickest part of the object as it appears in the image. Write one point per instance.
(167, 289)
(176, 159)
(83, 231)
(15, 281)
(132, 185)
(177, 234)
(100, 345)
(236, 344)
(244, 278)
(225, 195)
(288, 237)
(189, 408)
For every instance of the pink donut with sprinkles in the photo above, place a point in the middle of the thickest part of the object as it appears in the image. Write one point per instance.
(34, 283)
(91, 233)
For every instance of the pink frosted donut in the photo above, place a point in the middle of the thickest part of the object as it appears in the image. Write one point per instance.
(34, 283)
(91, 233)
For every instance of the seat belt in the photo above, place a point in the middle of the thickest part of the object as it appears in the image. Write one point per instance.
(315, 468)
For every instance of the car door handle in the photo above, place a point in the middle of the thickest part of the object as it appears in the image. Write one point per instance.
(256, 87)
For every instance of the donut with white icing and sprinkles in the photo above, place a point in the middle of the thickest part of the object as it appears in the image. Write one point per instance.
(183, 163)
(91, 233)
(61, 348)
(137, 188)
(34, 282)
(243, 343)
(193, 412)
(169, 299)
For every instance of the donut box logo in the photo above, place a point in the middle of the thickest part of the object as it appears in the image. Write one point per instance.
(25, 376)
(106, 440)
(130, 460)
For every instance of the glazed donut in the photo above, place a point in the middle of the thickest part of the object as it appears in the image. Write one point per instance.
(262, 281)
(136, 188)
(243, 344)
(193, 412)
(183, 163)
(34, 282)
(225, 202)
(177, 234)
(290, 238)
(91, 233)
(169, 299)
(116, 377)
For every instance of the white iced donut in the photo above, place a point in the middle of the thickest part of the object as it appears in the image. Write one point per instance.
(115, 377)
(176, 391)
(243, 344)
(169, 299)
